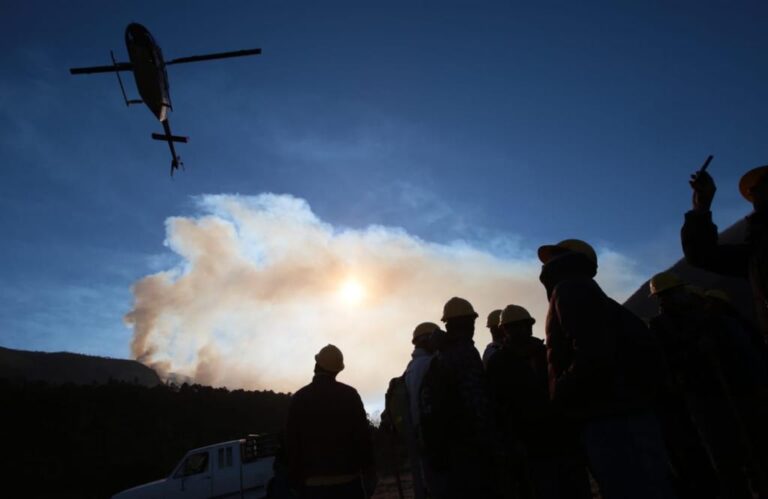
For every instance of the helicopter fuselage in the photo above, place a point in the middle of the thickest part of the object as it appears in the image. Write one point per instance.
(148, 70)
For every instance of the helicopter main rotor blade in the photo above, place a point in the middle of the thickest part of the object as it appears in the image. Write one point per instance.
(218, 55)
(120, 66)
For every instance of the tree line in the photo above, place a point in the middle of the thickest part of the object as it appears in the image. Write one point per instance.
(91, 441)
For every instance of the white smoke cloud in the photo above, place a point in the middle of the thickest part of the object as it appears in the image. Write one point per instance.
(262, 284)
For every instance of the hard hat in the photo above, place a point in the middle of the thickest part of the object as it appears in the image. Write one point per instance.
(718, 294)
(750, 179)
(457, 307)
(425, 328)
(515, 313)
(695, 290)
(330, 359)
(548, 252)
(493, 318)
(664, 281)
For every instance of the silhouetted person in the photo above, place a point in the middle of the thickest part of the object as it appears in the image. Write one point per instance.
(460, 451)
(720, 303)
(713, 367)
(328, 441)
(749, 259)
(401, 417)
(541, 456)
(604, 370)
(747, 376)
(694, 474)
(492, 323)
(421, 358)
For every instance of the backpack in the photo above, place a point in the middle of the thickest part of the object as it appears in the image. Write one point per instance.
(397, 406)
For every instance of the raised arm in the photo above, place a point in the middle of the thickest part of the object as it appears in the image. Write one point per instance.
(699, 235)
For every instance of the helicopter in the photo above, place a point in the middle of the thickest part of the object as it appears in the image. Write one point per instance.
(148, 67)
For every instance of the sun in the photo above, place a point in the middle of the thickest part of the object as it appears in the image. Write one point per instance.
(352, 292)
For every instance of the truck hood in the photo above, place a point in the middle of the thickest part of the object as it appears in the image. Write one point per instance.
(142, 491)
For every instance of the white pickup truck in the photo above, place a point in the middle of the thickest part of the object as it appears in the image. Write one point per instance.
(239, 468)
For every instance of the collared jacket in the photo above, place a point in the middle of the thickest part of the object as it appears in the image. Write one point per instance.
(327, 432)
(602, 359)
(748, 260)
(414, 374)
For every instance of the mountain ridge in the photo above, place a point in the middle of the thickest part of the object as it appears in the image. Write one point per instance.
(68, 367)
(738, 289)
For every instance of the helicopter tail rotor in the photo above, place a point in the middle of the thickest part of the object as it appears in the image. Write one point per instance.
(176, 163)
(170, 139)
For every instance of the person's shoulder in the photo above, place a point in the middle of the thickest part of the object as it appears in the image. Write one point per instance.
(499, 353)
(302, 392)
(576, 287)
(345, 389)
(499, 359)
(536, 343)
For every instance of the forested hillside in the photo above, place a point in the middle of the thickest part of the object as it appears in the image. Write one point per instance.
(90, 441)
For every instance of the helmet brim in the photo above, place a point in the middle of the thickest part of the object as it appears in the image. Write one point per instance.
(750, 179)
(550, 251)
(529, 320)
(446, 319)
(658, 291)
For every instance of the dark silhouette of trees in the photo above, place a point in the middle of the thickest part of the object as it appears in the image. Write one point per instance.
(91, 441)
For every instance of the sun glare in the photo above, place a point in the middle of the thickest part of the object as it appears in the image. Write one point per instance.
(352, 292)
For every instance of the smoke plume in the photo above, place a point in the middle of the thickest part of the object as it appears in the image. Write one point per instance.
(261, 284)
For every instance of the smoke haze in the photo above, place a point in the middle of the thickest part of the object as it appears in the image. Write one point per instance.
(261, 284)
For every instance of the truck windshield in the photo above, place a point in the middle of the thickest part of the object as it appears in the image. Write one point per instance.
(194, 464)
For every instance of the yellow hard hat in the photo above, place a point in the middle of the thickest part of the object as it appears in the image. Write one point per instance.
(515, 313)
(493, 318)
(457, 307)
(664, 281)
(750, 179)
(548, 252)
(330, 358)
(425, 328)
(718, 294)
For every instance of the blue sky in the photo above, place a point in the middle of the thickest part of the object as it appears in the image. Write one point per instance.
(505, 125)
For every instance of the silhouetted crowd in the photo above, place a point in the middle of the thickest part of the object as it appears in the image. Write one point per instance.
(609, 404)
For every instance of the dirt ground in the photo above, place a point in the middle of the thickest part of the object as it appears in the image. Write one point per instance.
(387, 487)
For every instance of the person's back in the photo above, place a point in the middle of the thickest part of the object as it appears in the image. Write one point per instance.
(518, 386)
(464, 377)
(603, 371)
(517, 381)
(333, 428)
(688, 371)
(696, 344)
(456, 419)
(421, 358)
(328, 441)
